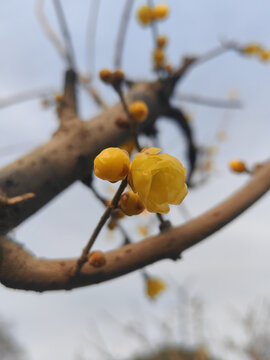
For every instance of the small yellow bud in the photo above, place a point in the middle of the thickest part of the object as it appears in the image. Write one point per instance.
(237, 166)
(160, 11)
(145, 15)
(252, 49)
(106, 76)
(58, 97)
(131, 204)
(264, 55)
(168, 68)
(143, 230)
(159, 58)
(161, 41)
(112, 164)
(97, 258)
(154, 287)
(138, 110)
(118, 75)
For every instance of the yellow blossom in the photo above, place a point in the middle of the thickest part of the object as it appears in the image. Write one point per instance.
(159, 180)
(237, 166)
(161, 41)
(130, 203)
(143, 230)
(159, 57)
(112, 164)
(154, 287)
(138, 110)
(145, 15)
(160, 11)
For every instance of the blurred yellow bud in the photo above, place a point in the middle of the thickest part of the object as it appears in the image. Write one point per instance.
(130, 203)
(143, 230)
(106, 76)
(161, 41)
(112, 164)
(252, 49)
(138, 110)
(154, 287)
(160, 11)
(159, 180)
(237, 166)
(264, 55)
(58, 97)
(159, 58)
(145, 15)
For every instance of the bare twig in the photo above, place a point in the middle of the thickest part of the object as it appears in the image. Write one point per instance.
(208, 101)
(25, 96)
(91, 36)
(5, 201)
(121, 35)
(65, 32)
(101, 223)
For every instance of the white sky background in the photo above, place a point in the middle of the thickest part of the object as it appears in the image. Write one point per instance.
(232, 266)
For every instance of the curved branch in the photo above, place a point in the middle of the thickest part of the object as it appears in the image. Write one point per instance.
(20, 270)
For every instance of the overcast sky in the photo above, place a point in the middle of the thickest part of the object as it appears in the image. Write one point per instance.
(232, 266)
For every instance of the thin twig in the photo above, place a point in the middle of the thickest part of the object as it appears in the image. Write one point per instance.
(25, 96)
(101, 223)
(208, 101)
(65, 32)
(153, 25)
(121, 35)
(91, 36)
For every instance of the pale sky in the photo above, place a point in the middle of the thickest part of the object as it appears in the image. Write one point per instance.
(232, 266)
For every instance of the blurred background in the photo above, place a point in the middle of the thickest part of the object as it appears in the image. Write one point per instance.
(216, 299)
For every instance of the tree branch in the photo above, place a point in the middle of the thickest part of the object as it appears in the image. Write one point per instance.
(21, 270)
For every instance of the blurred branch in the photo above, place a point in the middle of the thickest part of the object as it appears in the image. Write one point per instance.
(121, 35)
(19, 269)
(91, 36)
(65, 32)
(25, 96)
(208, 101)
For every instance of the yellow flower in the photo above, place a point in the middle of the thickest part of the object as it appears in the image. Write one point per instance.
(237, 166)
(154, 287)
(131, 204)
(160, 11)
(145, 15)
(161, 41)
(138, 110)
(112, 164)
(159, 180)
(159, 58)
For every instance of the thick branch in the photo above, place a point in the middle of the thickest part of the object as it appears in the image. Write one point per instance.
(68, 156)
(20, 270)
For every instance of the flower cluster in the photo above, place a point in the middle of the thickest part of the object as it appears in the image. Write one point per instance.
(147, 14)
(114, 78)
(258, 51)
(156, 180)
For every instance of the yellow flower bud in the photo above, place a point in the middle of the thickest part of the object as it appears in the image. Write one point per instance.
(58, 97)
(160, 11)
(112, 164)
(264, 55)
(154, 287)
(237, 166)
(159, 58)
(138, 110)
(118, 76)
(251, 49)
(161, 41)
(106, 76)
(97, 258)
(159, 180)
(130, 203)
(145, 15)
